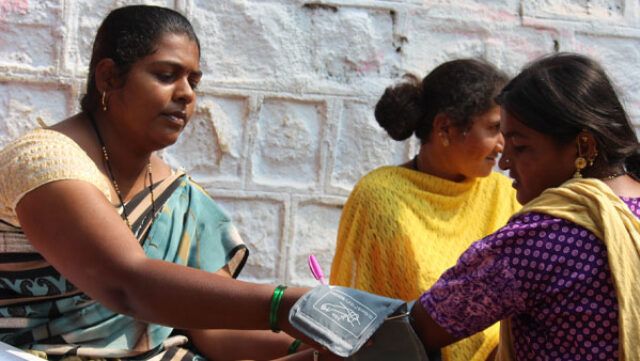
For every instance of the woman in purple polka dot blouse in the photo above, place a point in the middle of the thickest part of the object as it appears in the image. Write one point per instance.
(561, 273)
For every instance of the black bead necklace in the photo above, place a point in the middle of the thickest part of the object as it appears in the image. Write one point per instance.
(113, 179)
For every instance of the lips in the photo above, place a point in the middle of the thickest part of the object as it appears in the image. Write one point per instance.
(177, 118)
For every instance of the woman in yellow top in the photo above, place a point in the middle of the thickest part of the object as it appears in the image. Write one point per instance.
(402, 226)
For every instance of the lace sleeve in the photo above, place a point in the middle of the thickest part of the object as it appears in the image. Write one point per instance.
(40, 157)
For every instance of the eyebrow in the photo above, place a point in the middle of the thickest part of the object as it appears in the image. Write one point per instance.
(513, 133)
(176, 65)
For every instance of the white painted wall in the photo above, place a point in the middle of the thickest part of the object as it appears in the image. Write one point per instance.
(284, 126)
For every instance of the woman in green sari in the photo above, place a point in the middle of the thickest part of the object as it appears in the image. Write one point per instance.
(79, 276)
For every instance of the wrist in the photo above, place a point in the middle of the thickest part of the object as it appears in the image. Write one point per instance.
(290, 297)
(274, 307)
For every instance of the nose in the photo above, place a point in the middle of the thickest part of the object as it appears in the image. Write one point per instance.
(500, 143)
(184, 93)
(504, 163)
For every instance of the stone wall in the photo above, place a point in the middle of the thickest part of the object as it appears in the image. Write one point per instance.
(284, 124)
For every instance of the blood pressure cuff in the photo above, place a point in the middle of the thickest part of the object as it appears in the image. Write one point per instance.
(344, 320)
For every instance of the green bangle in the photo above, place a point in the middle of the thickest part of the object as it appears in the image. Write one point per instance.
(294, 346)
(275, 304)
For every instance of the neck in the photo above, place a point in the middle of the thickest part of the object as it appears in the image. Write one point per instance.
(129, 164)
(432, 160)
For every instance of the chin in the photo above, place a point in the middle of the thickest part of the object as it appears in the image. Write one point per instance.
(165, 142)
(524, 198)
(482, 173)
(521, 199)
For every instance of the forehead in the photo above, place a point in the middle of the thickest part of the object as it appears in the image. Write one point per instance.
(512, 127)
(490, 116)
(175, 48)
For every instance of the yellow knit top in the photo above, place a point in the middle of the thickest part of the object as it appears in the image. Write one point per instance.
(401, 229)
(40, 157)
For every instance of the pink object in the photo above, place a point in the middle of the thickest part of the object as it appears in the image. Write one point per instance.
(316, 270)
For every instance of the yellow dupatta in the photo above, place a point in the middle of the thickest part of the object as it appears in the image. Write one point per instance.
(591, 204)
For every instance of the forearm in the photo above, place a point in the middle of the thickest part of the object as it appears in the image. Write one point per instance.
(188, 298)
(432, 335)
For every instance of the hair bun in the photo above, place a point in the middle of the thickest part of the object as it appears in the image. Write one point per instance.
(400, 109)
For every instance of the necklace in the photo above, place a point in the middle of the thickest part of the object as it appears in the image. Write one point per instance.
(105, 155)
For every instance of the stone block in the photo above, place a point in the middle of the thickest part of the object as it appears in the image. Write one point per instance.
(260, 223)
(25, 106)
(511, 51)
(346, 43)
(248, 40)
(90, 14)
(430, 43)
(362, 146)
(212, 144)
(598, 10)
(620, 57)
(28, 47)
(30, 12)
(286, 151)
(316, 229)
(498, 11)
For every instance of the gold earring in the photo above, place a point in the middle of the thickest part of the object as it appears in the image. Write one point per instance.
(580, 163)
(104, 100)
(595, 155)
(445, 140)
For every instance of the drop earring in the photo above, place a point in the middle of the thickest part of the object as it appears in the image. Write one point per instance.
(580, 163)
(104, 100)
(445, 140)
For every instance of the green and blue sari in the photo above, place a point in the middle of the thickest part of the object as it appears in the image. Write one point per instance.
(41, 310)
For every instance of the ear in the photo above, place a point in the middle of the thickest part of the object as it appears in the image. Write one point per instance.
(442, 124)
(107, 75)
(586, 146)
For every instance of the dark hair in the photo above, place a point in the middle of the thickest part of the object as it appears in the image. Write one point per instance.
(128, 34)
(563, 94)
(460, 89)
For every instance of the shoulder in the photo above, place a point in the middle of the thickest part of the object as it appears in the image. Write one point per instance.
(536, 240)
(381, 183)
(499, 187)
(387, 176)
(382, 174)
(497, 181)
(42, 156)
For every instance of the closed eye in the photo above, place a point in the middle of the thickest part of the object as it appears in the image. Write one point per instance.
(165, 77)
(193, 82)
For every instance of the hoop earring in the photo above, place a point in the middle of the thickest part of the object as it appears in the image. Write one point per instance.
(580, 163)
(104, 100)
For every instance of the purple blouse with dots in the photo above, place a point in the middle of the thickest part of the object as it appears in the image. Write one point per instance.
(549, 275)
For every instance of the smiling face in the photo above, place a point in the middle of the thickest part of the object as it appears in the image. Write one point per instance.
(473, 153)
(157, 96)
(535, 160)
